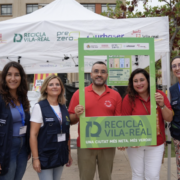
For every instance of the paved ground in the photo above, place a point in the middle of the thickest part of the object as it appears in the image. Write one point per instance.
(121, 170)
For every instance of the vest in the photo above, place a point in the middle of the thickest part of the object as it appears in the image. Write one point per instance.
(6, 133)
(175, 103)
(51, 152)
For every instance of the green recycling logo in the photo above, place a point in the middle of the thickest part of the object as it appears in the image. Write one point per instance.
(89, 125)
(31, 37)
(18, 38)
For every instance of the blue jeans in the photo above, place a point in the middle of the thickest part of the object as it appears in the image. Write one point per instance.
(18, 159)
(51, 174)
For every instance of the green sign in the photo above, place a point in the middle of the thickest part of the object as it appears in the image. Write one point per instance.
(119, 70)
(117, 131)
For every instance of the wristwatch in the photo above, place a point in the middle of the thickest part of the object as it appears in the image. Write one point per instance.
(162, 107)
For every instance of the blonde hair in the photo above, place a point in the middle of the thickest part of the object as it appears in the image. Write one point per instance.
(61, 98)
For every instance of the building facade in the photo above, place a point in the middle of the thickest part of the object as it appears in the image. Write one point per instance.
(15, 8)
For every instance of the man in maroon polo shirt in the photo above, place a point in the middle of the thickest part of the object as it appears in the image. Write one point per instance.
(100, 100)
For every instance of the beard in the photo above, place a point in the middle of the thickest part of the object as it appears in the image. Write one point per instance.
(96, 83)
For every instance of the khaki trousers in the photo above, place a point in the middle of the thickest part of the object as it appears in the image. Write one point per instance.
(88, 158)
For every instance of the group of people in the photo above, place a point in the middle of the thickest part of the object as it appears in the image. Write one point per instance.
(45, 133)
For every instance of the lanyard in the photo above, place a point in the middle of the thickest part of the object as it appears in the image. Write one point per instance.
(179, 86)
(21, 112)
(59, 118)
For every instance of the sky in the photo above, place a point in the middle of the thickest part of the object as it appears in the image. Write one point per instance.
(150, 3)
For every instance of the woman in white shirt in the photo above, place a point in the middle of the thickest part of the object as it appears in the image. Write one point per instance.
(49, 134)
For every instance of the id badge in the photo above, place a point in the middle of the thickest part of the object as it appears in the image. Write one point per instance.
(2, 122)
(61, 137)
(22, 130)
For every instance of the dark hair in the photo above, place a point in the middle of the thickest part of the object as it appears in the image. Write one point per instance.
(21, 90)
(99, 62)
(130, 89)
(176, 57)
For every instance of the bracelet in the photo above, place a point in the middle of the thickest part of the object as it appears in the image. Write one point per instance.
(162, 107)
(35, 158)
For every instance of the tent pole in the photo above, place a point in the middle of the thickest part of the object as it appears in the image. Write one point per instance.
(168, 132)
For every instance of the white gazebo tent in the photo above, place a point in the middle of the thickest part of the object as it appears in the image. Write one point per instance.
(45, 37)
(43, 40)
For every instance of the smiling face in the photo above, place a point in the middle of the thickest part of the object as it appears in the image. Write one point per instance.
(140, 83)
(176, 67)
(99, 74)
(53, 88)
(13, 78)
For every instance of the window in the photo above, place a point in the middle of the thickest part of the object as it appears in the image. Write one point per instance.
(42, 5)
(6, 10)
(31, 8)
(104, 7)
(91, 7)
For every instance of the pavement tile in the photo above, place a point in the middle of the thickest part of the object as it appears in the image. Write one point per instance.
(121, 170)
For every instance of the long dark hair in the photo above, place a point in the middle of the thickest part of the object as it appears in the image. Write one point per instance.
(21, 90)
(130, 89)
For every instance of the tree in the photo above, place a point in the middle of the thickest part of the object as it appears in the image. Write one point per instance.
(171, 9)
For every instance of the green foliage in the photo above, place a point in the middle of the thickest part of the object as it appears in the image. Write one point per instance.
(114, 13)
(170, 9)
(157, 67)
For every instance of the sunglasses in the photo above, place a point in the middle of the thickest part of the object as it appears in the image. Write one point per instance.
(174, 66)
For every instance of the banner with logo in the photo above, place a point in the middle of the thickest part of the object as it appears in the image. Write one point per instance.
(117, 131)
(52, 46)
(39, 79)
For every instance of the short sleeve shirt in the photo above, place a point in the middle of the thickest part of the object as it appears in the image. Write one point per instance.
(137, 108)
(107, 104)
(36, 115)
